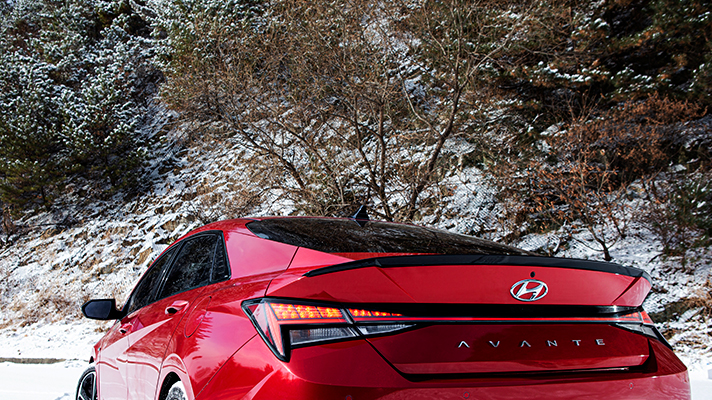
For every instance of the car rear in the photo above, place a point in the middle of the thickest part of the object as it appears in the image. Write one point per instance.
(419, 318)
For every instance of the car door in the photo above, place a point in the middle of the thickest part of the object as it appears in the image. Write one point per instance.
(112, 361)
(153, 326)
(111, 364)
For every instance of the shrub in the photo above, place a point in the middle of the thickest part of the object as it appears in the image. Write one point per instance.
(585, 175)
(343, 102)
(680, 212)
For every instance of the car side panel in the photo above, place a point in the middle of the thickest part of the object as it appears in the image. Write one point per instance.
(151, 333)
(111, 363)
(223, 328)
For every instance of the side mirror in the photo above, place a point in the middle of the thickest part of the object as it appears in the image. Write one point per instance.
(101, 309)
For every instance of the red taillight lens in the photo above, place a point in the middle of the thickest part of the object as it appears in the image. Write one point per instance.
(359, 315)
(644, 325)
(284, 325)
(306, 314)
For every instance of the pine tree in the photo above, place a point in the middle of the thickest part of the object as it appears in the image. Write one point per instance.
(76, 80)
(31, 150)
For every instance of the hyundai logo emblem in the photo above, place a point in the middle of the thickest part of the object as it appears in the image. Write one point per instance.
(529, 290)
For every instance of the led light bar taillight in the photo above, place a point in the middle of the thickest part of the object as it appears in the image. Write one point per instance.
(306, 314)
(366, 316)
(646, 318)
(360, 315)
(285, 324)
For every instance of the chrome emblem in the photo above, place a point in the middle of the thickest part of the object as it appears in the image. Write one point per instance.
(529, 290)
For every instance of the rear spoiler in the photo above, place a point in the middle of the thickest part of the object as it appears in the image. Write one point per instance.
(482, 259)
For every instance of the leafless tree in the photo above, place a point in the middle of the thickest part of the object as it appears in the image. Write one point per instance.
(350, 101)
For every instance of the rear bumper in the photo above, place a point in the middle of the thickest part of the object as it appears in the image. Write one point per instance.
(355, 371)
(665, 387)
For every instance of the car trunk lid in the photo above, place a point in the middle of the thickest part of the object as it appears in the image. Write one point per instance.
(482, 314)
(472, 279)
(511, 347)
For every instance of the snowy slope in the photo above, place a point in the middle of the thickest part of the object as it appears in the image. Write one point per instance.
(47, 271)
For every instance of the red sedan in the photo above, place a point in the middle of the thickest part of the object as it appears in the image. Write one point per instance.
(352, 309)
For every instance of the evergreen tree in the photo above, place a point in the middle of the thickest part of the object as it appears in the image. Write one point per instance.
(31, 150)
(76, 80)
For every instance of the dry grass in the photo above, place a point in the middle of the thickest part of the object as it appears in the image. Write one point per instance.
(49, 307)
(585, 176)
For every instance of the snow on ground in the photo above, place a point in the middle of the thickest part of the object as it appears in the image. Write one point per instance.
(70, 343)
(40, 381)
(700, 377)
(52, 341)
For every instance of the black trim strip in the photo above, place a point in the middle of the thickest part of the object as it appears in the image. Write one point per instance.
(482, 259)
(496, 310)
(440, 310)
(550, 376)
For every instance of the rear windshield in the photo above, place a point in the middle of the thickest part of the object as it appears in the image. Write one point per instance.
(348, 236)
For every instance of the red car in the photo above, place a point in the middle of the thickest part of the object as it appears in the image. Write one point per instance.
(351, 309)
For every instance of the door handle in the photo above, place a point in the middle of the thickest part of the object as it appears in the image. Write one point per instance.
(176, 307)
(124, 328)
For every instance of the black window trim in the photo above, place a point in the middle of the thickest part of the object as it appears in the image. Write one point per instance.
(170, 251)
(164, 276)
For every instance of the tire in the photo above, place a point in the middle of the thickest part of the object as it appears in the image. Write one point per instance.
(177, 392)
(86, 389)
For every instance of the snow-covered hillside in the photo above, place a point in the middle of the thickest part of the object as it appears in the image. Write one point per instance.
(49, 269)
(512, 89)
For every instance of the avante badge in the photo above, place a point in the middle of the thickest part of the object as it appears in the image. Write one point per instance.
(529, 290)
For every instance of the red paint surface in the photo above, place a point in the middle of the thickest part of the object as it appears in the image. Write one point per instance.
(479, 284)
(212, 346)
(457, 349)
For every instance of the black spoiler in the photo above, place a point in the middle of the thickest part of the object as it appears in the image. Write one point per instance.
(482, 259)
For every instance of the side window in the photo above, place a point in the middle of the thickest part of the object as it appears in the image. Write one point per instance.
(192, 266)
(221, 271)
(141, 295)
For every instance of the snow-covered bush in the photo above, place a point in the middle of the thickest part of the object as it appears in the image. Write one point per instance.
(586, 171)
(595, 54)
(75, 82)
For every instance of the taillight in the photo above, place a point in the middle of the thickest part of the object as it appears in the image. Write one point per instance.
(285, 325)
(644, 327)
(646, 318)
